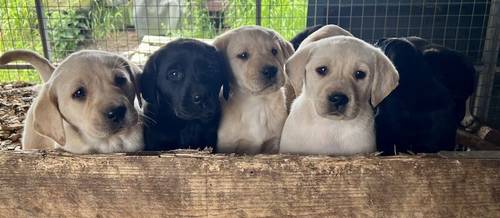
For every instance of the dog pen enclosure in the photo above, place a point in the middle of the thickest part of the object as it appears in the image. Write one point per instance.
(57, 28)
(206, 185)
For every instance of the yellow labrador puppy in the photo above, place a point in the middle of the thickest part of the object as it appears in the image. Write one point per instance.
(86, 106)
(255, 111)
(341, 79)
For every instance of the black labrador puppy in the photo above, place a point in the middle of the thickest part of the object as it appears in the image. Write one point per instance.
(181, 83)
(419, 115)
(452, 69)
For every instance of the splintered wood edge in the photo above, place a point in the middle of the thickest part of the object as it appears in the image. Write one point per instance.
(192, 183)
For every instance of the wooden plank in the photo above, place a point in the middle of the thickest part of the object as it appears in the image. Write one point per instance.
(204, 185)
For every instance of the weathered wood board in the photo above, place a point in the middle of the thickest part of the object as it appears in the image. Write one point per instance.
(204, 185)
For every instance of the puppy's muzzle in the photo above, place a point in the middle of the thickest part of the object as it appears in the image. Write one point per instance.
(338, 102)
(115, 115)
(197, 105)
(269, 73)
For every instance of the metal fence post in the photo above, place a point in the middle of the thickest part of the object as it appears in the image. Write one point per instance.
(489, 59)
(42, 27)
(258, 12)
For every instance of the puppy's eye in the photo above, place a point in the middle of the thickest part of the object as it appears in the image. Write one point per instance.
(274, 51)
(243, 55)
(323, 70)
(359, 75)
(120, 80)
(79, 93)
(175, 75)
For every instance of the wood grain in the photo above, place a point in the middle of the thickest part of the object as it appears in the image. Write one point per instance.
(204, 185)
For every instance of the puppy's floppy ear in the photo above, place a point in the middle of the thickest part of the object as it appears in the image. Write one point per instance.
(222, 41)
(325, 32)
(47, 119)
(147, 80)
(385, 79)
(295, 68)
(286, 48)
(134, 73)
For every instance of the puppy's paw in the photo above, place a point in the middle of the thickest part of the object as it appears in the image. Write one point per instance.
(470, 123)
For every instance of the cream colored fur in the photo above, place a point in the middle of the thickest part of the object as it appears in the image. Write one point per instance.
(254, 114)
(312, 128)
(57, 121)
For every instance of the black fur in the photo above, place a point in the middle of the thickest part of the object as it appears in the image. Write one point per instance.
(419, 115)
(175, 118)
(303, 35)
(451, 68)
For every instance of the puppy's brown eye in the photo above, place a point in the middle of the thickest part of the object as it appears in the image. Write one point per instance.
(359, 75)
(120, 80)
(175, 75)
(323, 70)
(243, 55)
(274, 51)
(79, 93)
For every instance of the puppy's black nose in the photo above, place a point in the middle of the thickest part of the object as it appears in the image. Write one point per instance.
(269, 72)
(116, 114)
(338, 99)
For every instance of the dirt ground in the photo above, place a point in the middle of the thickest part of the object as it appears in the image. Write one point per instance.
(15, 100)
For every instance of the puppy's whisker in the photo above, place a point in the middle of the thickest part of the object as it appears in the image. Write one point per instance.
(148, 120)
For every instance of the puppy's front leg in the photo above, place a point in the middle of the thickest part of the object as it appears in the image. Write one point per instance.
(210, 137)
(271, 146)
(190, 136)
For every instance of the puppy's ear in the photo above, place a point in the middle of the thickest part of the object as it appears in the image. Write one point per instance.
(147, 80)
(134, 73)
(286, 48)
(222, 41)
(295, 68)
(325, 32)
(385, 79)
(47, 119)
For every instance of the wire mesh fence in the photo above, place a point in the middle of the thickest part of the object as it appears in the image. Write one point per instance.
(127, 27)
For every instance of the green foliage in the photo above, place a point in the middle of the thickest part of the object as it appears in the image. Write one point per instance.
(18, 29)
(105, 19)
(65, 31)
(19, 75)
(195, 22)
(18, 26)
(70, 28)
(288, 17)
